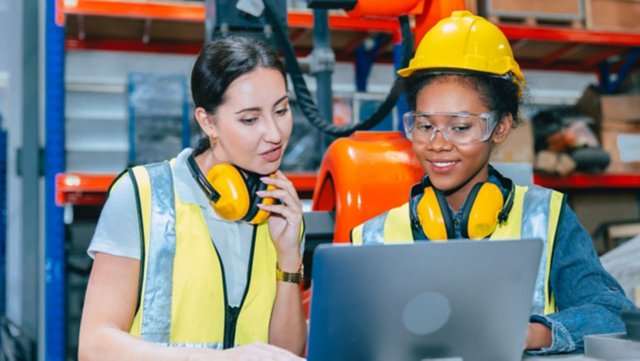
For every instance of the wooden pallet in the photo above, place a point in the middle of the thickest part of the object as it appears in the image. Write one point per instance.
(535, 21)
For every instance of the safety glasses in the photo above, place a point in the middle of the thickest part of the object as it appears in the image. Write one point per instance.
(459, 128)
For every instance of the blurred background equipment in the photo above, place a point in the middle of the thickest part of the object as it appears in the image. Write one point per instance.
(159, 117)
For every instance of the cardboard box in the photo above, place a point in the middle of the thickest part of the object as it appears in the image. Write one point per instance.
(615, 112)
(622, 142)
(618, 126)
(613, 15)
(623, 108)
(620, 109)
(595, 209)
(518, 147)
(543, 9)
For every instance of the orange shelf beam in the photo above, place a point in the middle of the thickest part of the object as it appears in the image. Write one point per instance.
(135, 9)
(196, 13)
(516, 32)
(91, 189)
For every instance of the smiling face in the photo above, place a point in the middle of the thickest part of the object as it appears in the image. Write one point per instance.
(252, 126)
(452, 168)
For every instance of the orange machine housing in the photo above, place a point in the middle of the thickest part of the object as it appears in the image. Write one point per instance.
(364, 175)
(427, 12)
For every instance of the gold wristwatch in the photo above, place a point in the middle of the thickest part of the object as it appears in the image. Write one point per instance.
(292, 277)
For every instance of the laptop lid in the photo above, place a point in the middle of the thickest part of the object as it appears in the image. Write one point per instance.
(456, 300)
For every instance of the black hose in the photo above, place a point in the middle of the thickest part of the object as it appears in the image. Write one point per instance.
(308, 106)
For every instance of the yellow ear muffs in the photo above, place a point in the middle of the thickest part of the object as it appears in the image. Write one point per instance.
(484, 205)
(232, 191)
(436, 223)
(237, 190)
(233, 196)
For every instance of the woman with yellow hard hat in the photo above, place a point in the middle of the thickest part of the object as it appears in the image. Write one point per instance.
(464, 89)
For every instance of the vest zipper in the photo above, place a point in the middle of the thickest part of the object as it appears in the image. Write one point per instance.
(231, 320)
(231, 314)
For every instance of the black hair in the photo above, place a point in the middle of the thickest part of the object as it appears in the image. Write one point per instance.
(497, 93)
(222, 61)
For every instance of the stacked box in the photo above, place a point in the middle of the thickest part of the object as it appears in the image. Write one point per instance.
(613, 15)
(570, 11)
(618, 126)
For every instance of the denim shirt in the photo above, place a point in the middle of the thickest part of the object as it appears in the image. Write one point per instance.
(589, 300)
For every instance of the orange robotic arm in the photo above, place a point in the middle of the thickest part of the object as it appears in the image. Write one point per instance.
(364, 175)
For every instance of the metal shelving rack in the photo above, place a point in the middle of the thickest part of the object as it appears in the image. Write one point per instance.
(83, 20)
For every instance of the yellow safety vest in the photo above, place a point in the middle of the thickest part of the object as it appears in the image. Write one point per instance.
(183, 299)
(540, 220)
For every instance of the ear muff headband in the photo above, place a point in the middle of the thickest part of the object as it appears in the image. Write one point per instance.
(211, 193)
(256, 215)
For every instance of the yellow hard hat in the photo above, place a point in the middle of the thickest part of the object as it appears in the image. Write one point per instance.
(465, 42)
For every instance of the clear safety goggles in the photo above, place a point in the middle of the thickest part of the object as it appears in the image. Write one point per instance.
(460, 128)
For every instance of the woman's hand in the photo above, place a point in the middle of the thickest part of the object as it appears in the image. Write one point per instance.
(285, 221)
(257, 351)
(538, 336)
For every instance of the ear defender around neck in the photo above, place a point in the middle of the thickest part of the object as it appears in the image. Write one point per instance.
(232, 191)
(484, 209)
(433, 215)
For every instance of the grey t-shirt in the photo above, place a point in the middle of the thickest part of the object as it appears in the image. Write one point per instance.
(117, 232)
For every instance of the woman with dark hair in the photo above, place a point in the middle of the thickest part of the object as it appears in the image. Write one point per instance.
(464, 88)
(199, 257)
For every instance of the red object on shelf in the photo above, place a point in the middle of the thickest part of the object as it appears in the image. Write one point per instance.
(82, 189)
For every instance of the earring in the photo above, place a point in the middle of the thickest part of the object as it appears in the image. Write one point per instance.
(213, 141)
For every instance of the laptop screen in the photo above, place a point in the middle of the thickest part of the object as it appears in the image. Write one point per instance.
(456, 300)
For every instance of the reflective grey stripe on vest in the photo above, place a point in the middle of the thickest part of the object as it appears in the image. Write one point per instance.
(535, 224)
(373, 229)
(156, 313)
(214, 346)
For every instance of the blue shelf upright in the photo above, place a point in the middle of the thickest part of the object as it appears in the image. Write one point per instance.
(54, 160)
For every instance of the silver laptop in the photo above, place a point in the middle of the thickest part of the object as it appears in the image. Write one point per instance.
(456, 300)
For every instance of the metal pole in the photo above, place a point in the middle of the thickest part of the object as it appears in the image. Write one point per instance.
(322, 60)
(29, 170)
